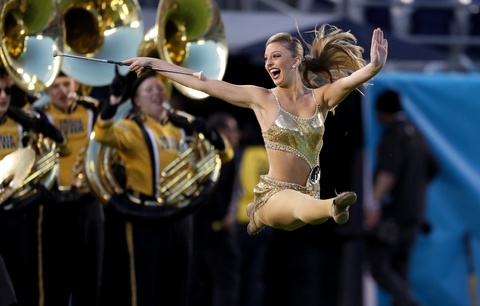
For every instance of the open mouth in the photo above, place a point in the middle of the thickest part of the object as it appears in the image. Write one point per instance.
(274, 72)
(156, 101)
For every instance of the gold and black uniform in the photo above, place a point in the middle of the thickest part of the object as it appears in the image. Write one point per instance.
(77, 126)
(18, 216)
(141, 166)
(147, 254)
(16, 122)
(19, 128)
(71, 219)
(10, 135)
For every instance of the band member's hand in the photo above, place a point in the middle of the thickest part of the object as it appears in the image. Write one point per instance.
(180, 121)
(118, 87)
(198, 125)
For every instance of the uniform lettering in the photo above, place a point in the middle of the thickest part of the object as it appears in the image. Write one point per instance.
(72, 126)
(7, 142)
(168, 143)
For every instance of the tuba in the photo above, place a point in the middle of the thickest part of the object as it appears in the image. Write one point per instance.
(186, 33)
(106, 29)
(34, 164)
(183, 184)
(30, 30)
(190, 34)
(96, 28)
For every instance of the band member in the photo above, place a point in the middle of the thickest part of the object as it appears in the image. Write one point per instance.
(216, 274)
(70, 217)
(148, 255)
(292, 116)
(19, 128)
(15, 121)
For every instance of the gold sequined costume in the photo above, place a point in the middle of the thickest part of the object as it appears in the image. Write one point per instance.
(295, 135)
(267, 187)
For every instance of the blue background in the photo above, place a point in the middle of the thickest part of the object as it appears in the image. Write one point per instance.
(446, 107)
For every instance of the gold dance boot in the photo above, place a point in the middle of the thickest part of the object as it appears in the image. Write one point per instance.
(340, 206)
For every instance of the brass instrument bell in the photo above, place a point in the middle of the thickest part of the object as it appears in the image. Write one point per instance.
(14, 169)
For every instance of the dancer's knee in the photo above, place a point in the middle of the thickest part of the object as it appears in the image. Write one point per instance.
(279, 211)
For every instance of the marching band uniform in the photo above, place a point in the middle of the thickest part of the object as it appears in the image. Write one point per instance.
(17, 236)
(17, 228)
(215, 280)
(148, 249)
(70, 218)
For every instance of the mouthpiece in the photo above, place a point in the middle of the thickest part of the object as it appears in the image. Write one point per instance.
(166, 106)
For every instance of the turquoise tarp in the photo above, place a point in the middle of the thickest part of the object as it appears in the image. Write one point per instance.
(446, 107)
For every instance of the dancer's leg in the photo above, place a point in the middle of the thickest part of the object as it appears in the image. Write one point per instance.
(289, 209)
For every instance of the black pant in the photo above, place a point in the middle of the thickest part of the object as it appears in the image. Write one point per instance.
(253, 257)
(389, 262)
(7, 294)
(216, 279)
(72, 251)
(162, 254)
(18, 246)
(303, 269)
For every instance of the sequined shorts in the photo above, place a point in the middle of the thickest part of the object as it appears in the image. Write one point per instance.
(267, 187)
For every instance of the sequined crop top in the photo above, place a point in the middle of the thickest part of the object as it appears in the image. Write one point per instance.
(300, 136)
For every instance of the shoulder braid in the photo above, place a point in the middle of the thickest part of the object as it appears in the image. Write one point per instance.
(88, 102)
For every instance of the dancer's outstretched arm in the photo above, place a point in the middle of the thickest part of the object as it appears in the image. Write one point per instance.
(336, 92)
(239, 95)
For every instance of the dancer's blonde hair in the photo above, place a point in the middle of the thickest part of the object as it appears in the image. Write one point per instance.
(332, 54)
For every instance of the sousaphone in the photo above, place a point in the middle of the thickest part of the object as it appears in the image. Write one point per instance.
(23, 171)
(108, 29)
(189, 34)
(31, 30)
(97, 28)
(14, 169)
